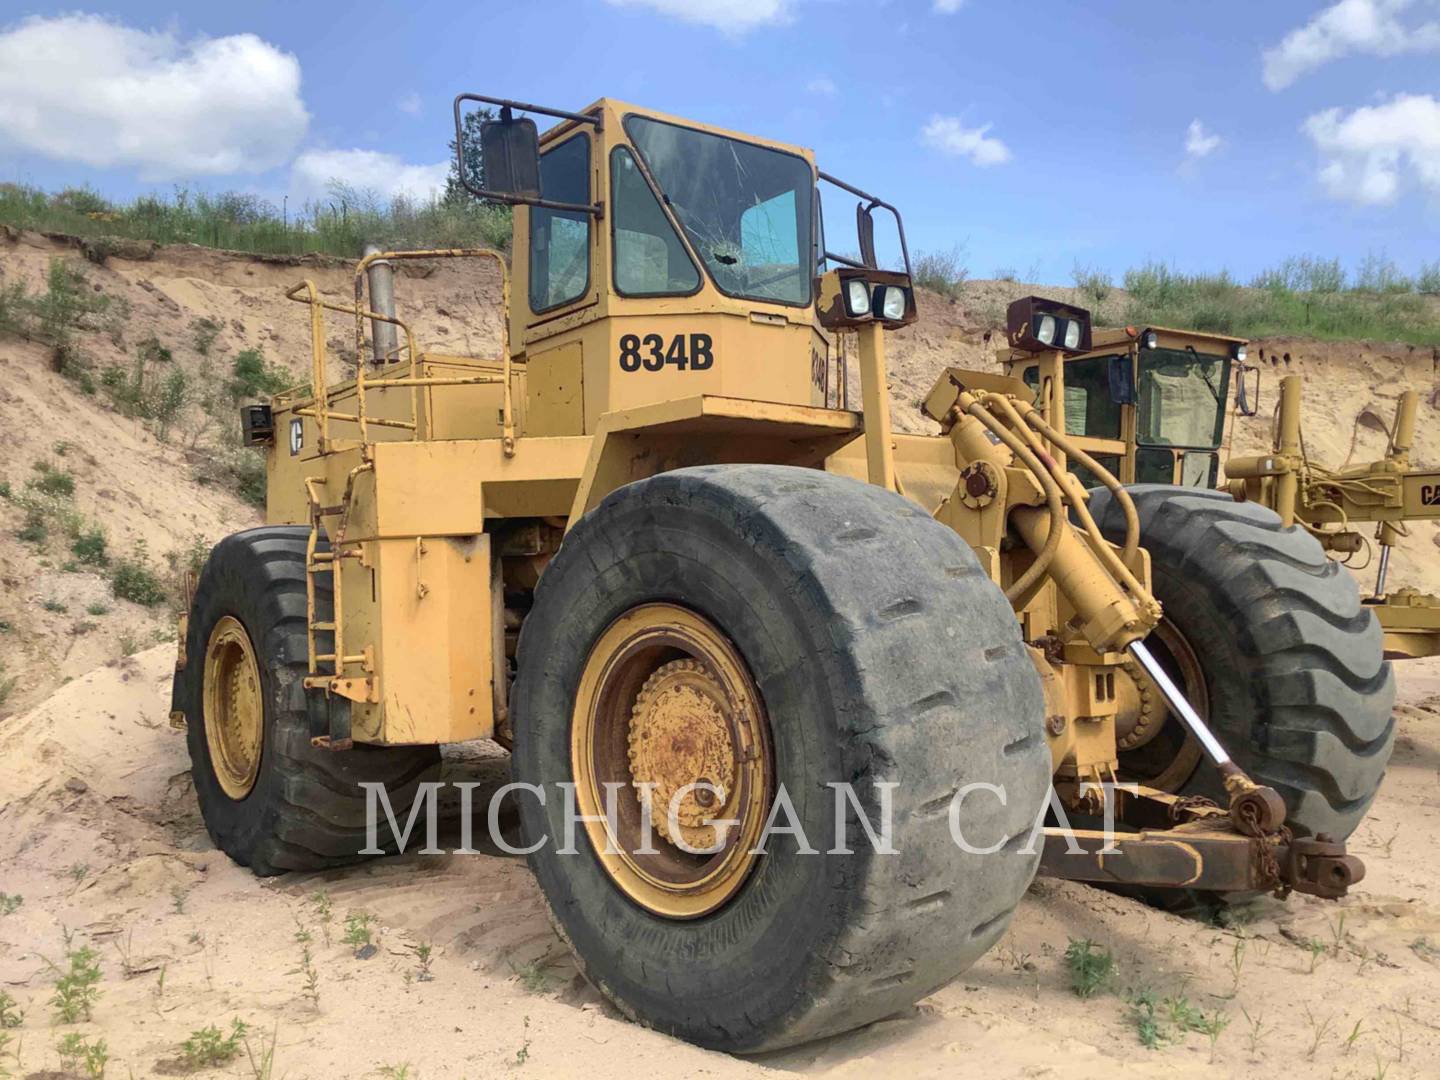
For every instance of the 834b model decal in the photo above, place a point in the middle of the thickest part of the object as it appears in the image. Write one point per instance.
(651, 352)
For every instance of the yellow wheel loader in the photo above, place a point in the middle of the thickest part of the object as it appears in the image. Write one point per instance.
(797, 706)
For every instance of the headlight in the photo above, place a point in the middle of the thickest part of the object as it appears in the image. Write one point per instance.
(1045, 329)
(1072, 334)
(857, 298)
(891, 302)
(1149, 340)
(1240, 353)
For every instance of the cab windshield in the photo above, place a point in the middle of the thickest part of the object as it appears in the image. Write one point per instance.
(745, 208)
(1182, 398)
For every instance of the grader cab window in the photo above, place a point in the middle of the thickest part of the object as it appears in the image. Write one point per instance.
(746, 209)
(560, 239)
(650, 260)
(1090, 410)
(1182, 398)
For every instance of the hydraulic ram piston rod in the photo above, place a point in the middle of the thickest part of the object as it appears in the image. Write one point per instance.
(1182, 708)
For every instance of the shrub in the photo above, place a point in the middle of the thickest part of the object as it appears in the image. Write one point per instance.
(1428, 280)
(89, 547)
(941, 271)
(133, 579)
(52, 481)
(252, 376)
(203, 333)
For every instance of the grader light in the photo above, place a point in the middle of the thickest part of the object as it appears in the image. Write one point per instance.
(648, 547)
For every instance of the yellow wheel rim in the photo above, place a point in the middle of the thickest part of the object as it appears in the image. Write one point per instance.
(668, 724)
(1143, 717)
(234, 707)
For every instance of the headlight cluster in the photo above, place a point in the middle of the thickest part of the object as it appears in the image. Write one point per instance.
(889, 303)
(1050, 330)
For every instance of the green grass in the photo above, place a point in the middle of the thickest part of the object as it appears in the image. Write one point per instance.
(340, 224)
(1304, 297)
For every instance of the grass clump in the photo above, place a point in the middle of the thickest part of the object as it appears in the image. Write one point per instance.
(209, 1047)
(1089, 965)
(52, 481)
(943, 272)
(76, 992)
(133, 579)
(79, 1055)
(253, 377)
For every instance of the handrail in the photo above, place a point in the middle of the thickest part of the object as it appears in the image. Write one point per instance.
(414, 381)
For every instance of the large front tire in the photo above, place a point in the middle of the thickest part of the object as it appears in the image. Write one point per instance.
(270, 800)
(1286, 658)
(879, 653)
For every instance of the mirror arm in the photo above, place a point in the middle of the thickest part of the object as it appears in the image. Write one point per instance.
(874, 204)
(596, 209)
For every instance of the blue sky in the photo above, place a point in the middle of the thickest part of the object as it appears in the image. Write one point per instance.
(1038, 136)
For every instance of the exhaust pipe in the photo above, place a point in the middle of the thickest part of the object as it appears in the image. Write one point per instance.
(384, 337)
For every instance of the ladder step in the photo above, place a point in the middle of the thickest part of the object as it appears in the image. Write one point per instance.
(322, 626)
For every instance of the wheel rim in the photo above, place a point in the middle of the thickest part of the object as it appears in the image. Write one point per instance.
(1154, 746)
(666, 701)
(234, 707)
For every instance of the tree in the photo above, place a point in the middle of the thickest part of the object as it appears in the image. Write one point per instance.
(474, 168)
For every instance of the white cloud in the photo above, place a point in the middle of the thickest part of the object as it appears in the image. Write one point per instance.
(86, 89)
(947, 7)
(732, 16)
(409, 103)
(948, 135)
(1366, 154)
(366, 171)
(1200, 143)
(1351, 26)
(822, 85)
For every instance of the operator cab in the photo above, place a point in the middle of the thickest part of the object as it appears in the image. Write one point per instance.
(1149, 404)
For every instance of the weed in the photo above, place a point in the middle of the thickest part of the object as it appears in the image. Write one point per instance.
(1421, 946)
(208, 1047)
(424, 955)
(944, 272)
(357, 930)
(77, 1053)
(320, 900)
(1236, 965)
(1354, 1036)
(131, 578)
(1090, 966)
(252, 376)
(6, 492)
(1316, 948)
(1184, 1015)
(1257, 1029)
(1318, 1030)
(128, 645)
(10, 904)
(1212, 1027)
(53, 605)
(523, 1054)
(11, 1015)
(97, 609)
(1337, 931)
(123, 948)
(1093, 284)
(89, 547)
(396, 1072)
(52, 481)
(263, 1066)
(1427, 281)
(79, 871)
(76, 994)
(177, 899)
(203, 332)
(310, 977)
(1147, 1022)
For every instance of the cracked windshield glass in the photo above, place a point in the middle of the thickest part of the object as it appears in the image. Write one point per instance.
(746, 209)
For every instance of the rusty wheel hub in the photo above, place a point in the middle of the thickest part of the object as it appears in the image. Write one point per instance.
(234, 707)
(667, 717)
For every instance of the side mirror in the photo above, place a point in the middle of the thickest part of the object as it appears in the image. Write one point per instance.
(510, 156)
(1247, 391)
(865, 230)
(1122, 380)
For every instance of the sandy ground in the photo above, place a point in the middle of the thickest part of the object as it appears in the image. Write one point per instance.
(102, 841)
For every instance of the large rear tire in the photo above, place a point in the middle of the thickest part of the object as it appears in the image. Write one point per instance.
(1290, 664)
(270, 800)
(877, 652)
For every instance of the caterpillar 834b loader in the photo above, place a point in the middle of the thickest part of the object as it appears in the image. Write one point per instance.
(651, 549)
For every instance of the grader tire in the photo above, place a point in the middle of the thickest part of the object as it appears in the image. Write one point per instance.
(882, 653)
(1297, 688)
(273, 802)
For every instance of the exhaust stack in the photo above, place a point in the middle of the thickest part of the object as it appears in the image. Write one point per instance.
(384, 338)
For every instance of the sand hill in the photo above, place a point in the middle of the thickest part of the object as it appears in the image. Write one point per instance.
(100, 838)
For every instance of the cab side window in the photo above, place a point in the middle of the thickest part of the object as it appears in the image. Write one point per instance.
(560, 239)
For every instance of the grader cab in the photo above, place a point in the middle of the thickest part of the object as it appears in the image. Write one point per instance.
(722, 621)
